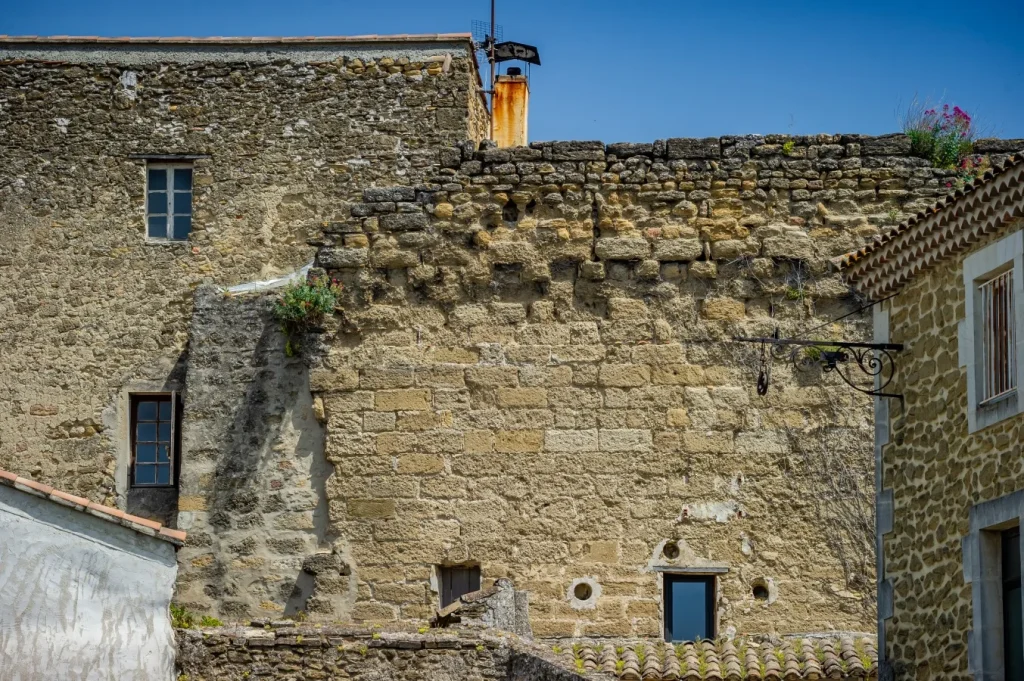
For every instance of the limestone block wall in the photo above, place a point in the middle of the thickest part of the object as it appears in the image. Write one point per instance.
(533, 371)
(286, 131)
(937, 472)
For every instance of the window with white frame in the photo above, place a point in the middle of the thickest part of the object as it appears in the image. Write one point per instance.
(168, 201)
(993, 281)
(992, 567)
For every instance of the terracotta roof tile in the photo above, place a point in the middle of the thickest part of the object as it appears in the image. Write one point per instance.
(114, 515)
(897, 248)
(742, 659)
(236, 40)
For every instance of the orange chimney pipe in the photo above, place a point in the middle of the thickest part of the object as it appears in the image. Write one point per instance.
(511, 109)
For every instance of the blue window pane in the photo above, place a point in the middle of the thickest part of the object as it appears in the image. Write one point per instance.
(158, 226)
(165, 432)
(145, 475)
(145, 453)
(163, 475)
(147, 411)
(163, 453)
(182, 203)
(157, 179)
(156, 202)
(165, 410)
(689, 608)
(182, 226)
(145, 432)
(182, 179)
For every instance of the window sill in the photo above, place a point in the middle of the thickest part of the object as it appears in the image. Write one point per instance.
(168, 242)
(998, 399)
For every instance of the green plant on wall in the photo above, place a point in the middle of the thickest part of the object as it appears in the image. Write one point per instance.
(304, 305)
(943, 136)
(181, 618)
(787, 148)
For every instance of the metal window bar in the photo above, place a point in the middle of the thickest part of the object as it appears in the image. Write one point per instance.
(1000, 362)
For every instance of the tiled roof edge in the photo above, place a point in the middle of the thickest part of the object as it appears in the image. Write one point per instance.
(83, 505)
(234, 40)
(862, 258)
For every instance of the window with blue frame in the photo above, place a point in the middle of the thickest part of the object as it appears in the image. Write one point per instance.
(154, 440)
(168, 201)
(689, 607)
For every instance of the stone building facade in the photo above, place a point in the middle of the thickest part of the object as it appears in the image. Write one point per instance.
(948, 454)
(278, 134)
(532, 373)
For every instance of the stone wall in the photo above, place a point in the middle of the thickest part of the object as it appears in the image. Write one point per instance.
(287, 131)
(253, 475)
(534, 371)
(937, 472)
(322, 653)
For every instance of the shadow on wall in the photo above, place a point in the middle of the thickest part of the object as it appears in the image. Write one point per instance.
(252, 434)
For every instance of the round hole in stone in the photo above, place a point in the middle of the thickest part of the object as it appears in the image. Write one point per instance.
(671, 550)
(582, 591)
(761, 592)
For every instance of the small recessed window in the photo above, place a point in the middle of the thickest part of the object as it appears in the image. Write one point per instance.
(154, 440)
(1000, 368)
(689, 608)
(168, 201)
(457, 581)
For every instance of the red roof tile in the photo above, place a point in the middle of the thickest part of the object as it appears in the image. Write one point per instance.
(114, 515)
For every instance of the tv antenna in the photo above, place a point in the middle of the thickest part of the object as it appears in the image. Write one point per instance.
(490, 38)
(486, 37)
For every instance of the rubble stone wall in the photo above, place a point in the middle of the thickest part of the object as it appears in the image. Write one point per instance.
(323, 653)
(937, 472)
(533, 370)
(90, 308)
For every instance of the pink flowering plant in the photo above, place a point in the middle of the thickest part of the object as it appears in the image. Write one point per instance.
(943, 136)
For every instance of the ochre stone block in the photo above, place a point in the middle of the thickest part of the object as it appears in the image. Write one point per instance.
(402, 400)
(678, 374)
(513, 441)
(420, 464)
(518, 398)
(371, 508)
(192, 503)
(624, 375)
(725, 309)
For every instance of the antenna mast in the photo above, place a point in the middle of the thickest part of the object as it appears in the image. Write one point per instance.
(490, 58)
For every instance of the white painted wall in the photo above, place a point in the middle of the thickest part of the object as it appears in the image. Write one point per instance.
(81, 599)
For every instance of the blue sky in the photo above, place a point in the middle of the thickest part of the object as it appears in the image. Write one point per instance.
(639, 70)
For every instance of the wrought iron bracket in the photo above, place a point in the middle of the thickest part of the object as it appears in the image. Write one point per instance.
(874, 360)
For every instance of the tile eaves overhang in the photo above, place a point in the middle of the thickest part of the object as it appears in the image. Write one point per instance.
(114, 515)
(955, 222)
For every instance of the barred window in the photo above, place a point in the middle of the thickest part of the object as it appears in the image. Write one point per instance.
(154, 441)
(999, 349)
(168, 201)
